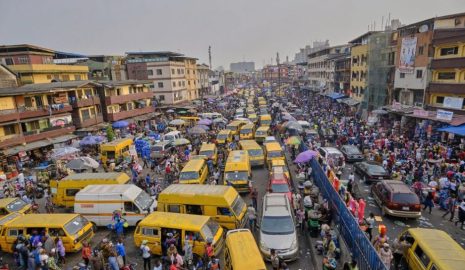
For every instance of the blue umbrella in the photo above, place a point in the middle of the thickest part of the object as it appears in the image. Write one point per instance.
(120, 124)
(91, 140)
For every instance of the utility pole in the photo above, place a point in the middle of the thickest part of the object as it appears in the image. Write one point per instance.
(210, 56)
(279, 71)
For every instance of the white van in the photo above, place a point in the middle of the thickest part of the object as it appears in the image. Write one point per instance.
(99, 203)
(172, 136)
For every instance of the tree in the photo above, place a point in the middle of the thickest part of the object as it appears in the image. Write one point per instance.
(110, 134)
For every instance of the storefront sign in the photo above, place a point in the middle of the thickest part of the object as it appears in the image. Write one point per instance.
(420, 113)
(444, 115)
(453, 102)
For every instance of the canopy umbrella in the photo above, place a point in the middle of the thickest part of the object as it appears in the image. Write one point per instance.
(170, 111)
(219, 120)
(120, 124)
(305, 156)
(76, 164)
(204, 127)
(197, 131)
(379, 112)
(91, 140)
(182, 112)
(90, 162)
(64, 151)
(205, 121)
(192, 110)
(293, 140)
(293, 125)
(289, 117)
(177, 122)
(181, 141)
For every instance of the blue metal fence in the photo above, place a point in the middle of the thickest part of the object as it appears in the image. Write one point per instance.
(355, 239)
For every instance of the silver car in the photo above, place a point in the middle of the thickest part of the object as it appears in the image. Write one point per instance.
(277, 228)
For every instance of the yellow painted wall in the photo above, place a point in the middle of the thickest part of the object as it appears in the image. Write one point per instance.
(359, 51)
(7, 103)
(4, 137)
(459, 75)
(461, 51)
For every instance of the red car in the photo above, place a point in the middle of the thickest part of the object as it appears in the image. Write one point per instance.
(279, 183)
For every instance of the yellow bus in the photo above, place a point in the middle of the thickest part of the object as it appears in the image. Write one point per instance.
(73, 229)
(224, 136)
(265, 120)
(273, 151)
(11, 205)
(193, 228)
(235, 126)
(261, 133)
(247, 132)
(256, 156)
(237, 171)
(195, 172)
(210, 151)
(115, 151)
(222, 203)
(241, 251)
(432, 249)
(63, 191)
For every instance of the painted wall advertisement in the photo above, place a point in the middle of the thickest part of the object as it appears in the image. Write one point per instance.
(453, 102)
(407, 55)
(444, 115)
(61, 121)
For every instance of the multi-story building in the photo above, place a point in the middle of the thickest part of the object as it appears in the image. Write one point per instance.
(106, 67)
(125, 99)
(412, 74)
(447, 87)
(271, 73)
(203, 79)
(342, 73)
(359, 65)
(191, 78)
(34, 64)
(166, 70)
(242, 67)
(321, 67)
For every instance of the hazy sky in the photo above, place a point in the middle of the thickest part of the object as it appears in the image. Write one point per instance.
(236, 29)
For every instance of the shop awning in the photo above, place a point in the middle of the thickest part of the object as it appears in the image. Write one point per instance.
(61, 139)
(335, 95)
(38, 144)
(349, 101)
(459, 130)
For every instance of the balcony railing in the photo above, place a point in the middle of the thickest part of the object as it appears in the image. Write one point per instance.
(9, 115)
(127, 114)
(89, 122)
(11, 140)
(35, 135)
(29, 112)
(126, 98)
(90, 101)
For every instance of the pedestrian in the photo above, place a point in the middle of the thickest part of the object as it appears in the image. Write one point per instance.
(254, 196)
(428, 202)
(60, 249)
(350, 266)
(274, 259)
(300, 215)
(119, 228)
(112, 261)
(399, 246)
(461, 214)
(146, 165)
(308, 176)
(145, 250)
(158, 265)
(252, 214)
(296, 198)
(188, 254)
(86, 252)
(452, 201)
(385, 254)
(350, 184)
(51, 263)
(121, 250)
(370, 220)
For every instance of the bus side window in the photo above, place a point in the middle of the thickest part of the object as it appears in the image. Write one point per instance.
(224, 211)
(71, 192)
(174, 208)
(130, 207)
(422, 256)
(227, 259)
(194, 209)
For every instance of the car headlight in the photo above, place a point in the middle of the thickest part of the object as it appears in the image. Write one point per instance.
(294, 244)
(263, 246)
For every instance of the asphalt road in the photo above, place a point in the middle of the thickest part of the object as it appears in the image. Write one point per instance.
(396, 225)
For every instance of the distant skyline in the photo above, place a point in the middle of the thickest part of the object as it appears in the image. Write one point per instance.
(239, 30)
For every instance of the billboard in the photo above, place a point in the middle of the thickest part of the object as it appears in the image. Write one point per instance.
(407, 55)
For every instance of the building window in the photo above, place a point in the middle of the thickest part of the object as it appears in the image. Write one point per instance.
(160, 85)
(183, 83)
(439, 100)
(149, 72)
(420, 50)
(9, 129)
(446, 76)
(65, 78)
(173, 71)
(449, 51)
(189, 83)
(161, 97)
(182, 71)
(159, 71)
(49, 77)
(9, 61)
(174, 84)
(23, 60)
(419, 74)
(402, 75)
(179, 71)
(85, 114)
(76, 77)
(179, 83)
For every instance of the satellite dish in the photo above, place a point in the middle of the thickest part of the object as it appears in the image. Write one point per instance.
(423, 28)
